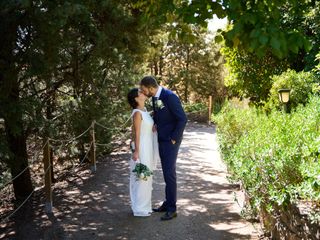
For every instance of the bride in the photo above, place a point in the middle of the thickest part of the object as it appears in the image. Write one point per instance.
(146, 152)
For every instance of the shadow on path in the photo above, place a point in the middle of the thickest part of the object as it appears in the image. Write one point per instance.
(97, 206)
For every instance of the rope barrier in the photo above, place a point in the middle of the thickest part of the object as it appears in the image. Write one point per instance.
(72, 139)
(99, 124)
(121, 127)
(103, 144)
(124, 135)
(125, 123)
(60, 147)
(19, 174)
(73, 167)
(83, 158)
(20, 206)
(91, 126)
(118, 130)
(121, 138)
(69, 140)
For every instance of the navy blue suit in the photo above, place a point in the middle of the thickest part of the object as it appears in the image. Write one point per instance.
(171, 120)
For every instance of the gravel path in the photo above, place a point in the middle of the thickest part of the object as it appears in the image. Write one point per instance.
(96, 206)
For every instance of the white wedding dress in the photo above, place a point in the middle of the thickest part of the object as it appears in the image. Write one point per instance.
(140, 190)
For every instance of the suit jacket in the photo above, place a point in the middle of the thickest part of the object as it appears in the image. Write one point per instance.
(169, 116)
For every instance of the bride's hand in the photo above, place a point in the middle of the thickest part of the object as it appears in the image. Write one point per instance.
(154, 128)
(135, 156)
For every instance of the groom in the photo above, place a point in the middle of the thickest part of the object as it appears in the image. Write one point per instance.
(170, 121)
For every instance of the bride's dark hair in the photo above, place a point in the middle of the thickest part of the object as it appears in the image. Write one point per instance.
(132, 94)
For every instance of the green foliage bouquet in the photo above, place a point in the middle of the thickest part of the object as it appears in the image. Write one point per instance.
(142, 172)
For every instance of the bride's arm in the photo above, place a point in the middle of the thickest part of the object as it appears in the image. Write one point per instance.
(137, 127)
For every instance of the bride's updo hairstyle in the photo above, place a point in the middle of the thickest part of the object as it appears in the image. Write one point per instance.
(132, 94)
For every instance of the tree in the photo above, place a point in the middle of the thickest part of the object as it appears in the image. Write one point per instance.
(183, 58)
(256, 25)
(311, 22)
(251, 76)
(55, 53)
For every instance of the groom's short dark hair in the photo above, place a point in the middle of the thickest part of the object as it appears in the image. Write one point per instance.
(149, 81)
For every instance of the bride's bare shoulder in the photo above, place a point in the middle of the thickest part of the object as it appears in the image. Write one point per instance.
(136, 114)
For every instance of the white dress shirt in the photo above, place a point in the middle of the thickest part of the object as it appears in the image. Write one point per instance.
(158, 92)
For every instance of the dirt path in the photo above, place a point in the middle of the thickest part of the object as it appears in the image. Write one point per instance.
(96, 206)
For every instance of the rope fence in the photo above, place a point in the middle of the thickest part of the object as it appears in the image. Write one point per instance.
(72, 139)
(91, 154)
(46, 148)
(19, 174)
(24, 201)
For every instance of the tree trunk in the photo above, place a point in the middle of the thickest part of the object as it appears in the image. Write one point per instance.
(17, 144)
(187, 83)
(22, 185)
(161, 66)
(155, 65)
(11, 106)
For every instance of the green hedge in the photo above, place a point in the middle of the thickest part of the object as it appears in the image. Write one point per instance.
(302, 84)
(195, 107)
(275, 156)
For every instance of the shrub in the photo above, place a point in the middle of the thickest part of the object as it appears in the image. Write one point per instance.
(301, 84)
(232, 125)
(276, 156)
(195, 107)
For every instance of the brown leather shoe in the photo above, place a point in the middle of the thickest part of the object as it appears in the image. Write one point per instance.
(169, 216)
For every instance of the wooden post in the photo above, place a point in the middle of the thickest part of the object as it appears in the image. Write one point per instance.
(47, 177)
(210, 109)
(93, 149)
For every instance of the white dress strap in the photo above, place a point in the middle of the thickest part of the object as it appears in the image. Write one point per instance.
(137, 110)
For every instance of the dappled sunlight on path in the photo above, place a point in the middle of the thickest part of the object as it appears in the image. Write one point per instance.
(97, 206)
(204, 192)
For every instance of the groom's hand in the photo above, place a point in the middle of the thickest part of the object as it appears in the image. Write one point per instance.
(154, 128)
(173, 141)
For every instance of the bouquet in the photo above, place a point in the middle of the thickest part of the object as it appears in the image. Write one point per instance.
(142, 172)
